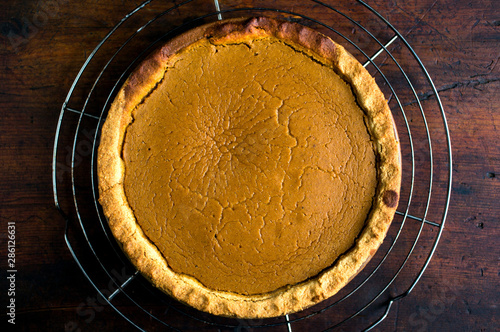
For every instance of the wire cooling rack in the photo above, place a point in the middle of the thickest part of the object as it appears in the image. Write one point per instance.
(420, 123)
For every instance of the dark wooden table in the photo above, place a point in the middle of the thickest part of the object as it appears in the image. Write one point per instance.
(42, 47)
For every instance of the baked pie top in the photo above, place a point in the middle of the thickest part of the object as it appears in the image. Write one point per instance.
(249, 167)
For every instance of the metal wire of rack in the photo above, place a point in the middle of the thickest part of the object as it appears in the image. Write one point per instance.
(425, 155)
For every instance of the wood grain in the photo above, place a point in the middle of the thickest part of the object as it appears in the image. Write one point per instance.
(42, 47)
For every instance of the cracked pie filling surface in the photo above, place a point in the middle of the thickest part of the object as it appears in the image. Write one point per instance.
(249, 168)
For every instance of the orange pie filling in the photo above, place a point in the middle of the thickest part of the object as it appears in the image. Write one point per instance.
(249, 165)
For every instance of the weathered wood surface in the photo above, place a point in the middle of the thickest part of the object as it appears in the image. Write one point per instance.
(42, 47)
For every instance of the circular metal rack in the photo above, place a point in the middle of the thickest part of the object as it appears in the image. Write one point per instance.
(425, 155)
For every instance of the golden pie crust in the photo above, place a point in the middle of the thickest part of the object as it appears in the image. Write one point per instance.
(158, 237)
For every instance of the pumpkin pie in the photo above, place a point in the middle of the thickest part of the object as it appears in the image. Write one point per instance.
(249, 167)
